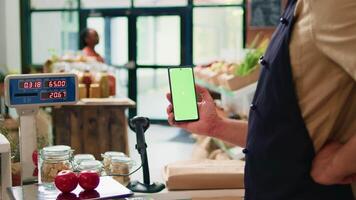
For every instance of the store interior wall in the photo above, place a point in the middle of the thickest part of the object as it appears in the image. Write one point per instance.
(10, 53)
(2, 35)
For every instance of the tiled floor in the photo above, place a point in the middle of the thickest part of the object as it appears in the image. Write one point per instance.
(165, 145)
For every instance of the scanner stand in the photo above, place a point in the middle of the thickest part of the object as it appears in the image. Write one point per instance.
(136, 186)
(140, 125)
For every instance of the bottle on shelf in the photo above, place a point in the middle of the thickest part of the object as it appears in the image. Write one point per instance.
(112, 84)
(104, 84)
(87, 80)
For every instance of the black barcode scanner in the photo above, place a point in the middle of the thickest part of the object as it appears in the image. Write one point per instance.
(139, 125)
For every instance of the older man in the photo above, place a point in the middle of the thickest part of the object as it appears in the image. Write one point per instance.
(300, 141)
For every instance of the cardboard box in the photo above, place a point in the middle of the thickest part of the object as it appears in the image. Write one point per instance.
(207, 74)
(214, 78)
(197, 73)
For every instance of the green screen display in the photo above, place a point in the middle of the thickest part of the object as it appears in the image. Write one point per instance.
(183, 94)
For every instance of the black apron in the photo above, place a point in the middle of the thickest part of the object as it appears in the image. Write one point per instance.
(279, 151)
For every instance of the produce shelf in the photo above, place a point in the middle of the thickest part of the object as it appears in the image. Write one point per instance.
(237, 101)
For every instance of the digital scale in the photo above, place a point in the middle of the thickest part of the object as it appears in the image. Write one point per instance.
(35, 90)
(26, 93)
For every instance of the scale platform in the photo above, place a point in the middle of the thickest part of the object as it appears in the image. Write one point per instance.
(107, 189)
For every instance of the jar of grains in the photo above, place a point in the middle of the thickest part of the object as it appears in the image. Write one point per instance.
(92, 165)
(54, 159)
(80, 158)
(107, 159)
(120, 169)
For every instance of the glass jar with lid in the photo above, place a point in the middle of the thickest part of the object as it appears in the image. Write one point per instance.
(82, 157)
(92, 165)
(120, 168)
(107, 158)
(54, 159)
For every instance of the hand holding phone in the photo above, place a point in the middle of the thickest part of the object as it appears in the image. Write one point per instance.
(208, 117)
(184, 100)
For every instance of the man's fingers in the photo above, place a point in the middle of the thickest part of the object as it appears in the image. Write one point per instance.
(169, 109)
(171, 119)
(169, 97)
(177, 124)
(203, 93)
(200, 105)
(201, 90)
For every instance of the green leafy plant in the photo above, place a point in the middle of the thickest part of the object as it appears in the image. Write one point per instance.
(250, 63)
(2, 77)
(252, 57)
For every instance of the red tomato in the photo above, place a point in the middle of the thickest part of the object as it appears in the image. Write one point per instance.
(66, 181)
(35, 157)
(67, 196)
(89, 194)
(89, 180)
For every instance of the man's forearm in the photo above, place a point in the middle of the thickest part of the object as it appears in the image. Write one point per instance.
(232, 131)
(345, 159)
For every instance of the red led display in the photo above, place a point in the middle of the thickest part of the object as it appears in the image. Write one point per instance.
(55, 84)
(53, 95)
(30, 84)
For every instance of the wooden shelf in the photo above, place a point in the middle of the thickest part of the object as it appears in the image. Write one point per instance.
(93, 125)
(223, 91)
(106, 102)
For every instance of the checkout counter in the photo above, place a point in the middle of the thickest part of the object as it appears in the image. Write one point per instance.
(70, 128)
(107, 187)
(31, 193)
(157, 166)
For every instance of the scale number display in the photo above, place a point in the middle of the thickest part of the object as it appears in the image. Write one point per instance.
(41, 89)
(53, 95)
(30, 84)
(55, 83)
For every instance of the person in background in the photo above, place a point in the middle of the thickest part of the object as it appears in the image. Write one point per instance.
(89, 38)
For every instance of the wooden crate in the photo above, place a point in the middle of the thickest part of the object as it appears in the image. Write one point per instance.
(233, 83)
(92, 127)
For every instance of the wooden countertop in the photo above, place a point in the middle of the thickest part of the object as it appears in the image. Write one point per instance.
(124, 102)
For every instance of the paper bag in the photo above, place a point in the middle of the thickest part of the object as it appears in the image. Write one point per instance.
(205, 174)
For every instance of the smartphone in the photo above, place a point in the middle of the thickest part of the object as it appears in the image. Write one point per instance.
(184, 99)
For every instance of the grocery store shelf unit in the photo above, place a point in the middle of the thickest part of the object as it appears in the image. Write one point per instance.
(237, 101)
(93, 125)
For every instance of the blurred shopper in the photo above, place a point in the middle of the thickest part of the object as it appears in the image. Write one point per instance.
(89, 38)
